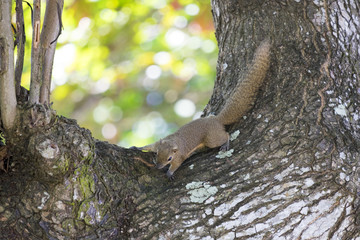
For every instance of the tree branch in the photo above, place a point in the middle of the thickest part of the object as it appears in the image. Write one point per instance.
(7, 86)
(49, 34)
(36, 63)
(20, 40)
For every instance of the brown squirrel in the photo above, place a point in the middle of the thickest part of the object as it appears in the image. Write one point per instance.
(210, 131)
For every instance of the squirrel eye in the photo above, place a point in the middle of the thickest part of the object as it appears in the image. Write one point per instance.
(169, 159)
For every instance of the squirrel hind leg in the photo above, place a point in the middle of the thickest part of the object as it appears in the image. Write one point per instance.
(225, 147)
(219, 138)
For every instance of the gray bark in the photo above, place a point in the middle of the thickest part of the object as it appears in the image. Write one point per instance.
(7, 84)
(43, 49)
(51, 30)
(293, 173)
(36, 56)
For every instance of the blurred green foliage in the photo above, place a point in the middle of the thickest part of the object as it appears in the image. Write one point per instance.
(132, 71)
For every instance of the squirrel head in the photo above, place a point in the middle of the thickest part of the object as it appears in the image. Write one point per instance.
(166, 152)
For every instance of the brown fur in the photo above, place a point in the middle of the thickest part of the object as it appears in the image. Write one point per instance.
(210, 131)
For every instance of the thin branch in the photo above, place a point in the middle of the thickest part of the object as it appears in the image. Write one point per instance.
(14, 33)
(59, 8)
(49, 35)
(36, 67)
(13, 28)
(7, 86)
(20, 41)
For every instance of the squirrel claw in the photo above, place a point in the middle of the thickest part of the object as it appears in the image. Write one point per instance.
(225, 147)
(170, 176)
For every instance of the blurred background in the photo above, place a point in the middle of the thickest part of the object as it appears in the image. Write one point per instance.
(132, 71)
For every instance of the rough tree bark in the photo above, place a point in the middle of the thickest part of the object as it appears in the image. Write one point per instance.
(293, 174)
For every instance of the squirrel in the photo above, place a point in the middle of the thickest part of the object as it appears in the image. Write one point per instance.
(210, 131)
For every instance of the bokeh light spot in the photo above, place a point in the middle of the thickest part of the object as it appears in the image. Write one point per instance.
(175, 38)
(153, 71)
(184, 108)
(154, 99)
(192, 9)
(109, 131)
(162, 58)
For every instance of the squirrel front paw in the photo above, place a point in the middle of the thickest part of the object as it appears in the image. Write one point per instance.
(170, 175)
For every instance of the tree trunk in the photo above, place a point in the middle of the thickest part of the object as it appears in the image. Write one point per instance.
(293, 174)
(7, 84)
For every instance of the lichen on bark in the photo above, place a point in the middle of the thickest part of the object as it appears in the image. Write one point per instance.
(60, 181)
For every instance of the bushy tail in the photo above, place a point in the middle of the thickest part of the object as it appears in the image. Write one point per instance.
(244, 96)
